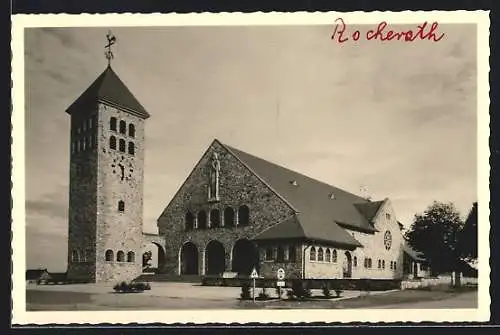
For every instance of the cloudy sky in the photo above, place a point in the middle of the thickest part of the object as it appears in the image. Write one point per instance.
(396, 118)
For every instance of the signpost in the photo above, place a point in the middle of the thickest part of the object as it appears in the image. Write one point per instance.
(254, 275)
(280, 274)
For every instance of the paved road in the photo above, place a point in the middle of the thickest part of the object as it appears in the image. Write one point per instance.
(463, 300)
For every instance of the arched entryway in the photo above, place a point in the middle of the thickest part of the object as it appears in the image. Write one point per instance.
(153, 257)
(188, 259)
(347, 265)
(245, 257)
(215, 258)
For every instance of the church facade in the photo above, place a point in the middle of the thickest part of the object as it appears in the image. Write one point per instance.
(233, 213)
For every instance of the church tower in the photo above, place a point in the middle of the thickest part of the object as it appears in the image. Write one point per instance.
(106, 181)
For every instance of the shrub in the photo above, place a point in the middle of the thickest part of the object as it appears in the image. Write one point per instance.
(245, 291)
(279, 292)
(338, 292)
(263, 294)
(131, 287)
(300, 289)
(326, 290)
(289, 294)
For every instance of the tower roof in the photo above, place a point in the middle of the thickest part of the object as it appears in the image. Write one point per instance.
(108, 88)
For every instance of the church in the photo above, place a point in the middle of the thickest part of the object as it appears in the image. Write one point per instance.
(233, 213)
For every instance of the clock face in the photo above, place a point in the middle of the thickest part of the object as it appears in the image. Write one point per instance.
(123, 168)
(387, 240)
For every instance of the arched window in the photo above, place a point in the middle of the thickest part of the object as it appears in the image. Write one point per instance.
(366, 262)
(369, 263)
(202, 220)
(130, 256)
(83, 257)
(73, 147)
(131, 130)
(214, 218)
(292, 253)
(383, 264)
(312, 254)
(112, 123)
(109, 255)
(131, 148)
(243, 215)
(379, 264)
(390, 265)
(269, 254)
(123, 127)
(75, 256)
(328, 256)
(280, 256)
(112, 142)
(122, 145)
(320, 255)
(121, 206)
(228, 217)
(120, 256)
(334, 256)
(84, 143)
(394, 266)
(355, 261)
(189, 224)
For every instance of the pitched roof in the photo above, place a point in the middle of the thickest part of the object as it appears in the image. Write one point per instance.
(321, 208)
(109, 88)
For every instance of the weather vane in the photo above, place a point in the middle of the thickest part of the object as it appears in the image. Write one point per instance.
(111, 40)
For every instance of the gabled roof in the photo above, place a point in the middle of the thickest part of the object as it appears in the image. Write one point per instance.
(321, 208)
(109, 88)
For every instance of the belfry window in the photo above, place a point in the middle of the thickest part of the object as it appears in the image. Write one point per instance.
(121, 206)
(109, 255)
(112, 123)
(312, 254)
(123, 127)
(131, 130)
(120, 256)
(131, 148)
(112, 142)
(122, 145)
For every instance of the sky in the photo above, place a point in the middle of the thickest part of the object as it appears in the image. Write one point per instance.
(379, 119)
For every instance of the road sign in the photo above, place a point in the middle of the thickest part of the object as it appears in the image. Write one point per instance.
(280, 283)
(280, 274)
(254, 274)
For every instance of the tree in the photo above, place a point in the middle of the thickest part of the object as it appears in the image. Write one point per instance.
(435, 233)
(467, 238)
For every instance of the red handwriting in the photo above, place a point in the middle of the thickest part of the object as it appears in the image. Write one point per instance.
(422, 32)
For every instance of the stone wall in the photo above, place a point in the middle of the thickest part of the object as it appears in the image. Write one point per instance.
(269, 268)
(238, 186)
(116, 230)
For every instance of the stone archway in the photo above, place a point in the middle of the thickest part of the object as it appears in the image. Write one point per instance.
(153, 258)
(215, 258)
(245, 256)
(188, 259)
(347, 265)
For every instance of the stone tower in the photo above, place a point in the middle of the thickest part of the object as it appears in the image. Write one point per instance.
(106, 182)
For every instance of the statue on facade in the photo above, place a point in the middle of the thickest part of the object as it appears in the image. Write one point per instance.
(213, 189)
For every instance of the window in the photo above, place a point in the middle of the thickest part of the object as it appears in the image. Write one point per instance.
(89, 121)
(243, 215)
(269, 254)
(131, 148)
(379, 264)
(214, 218)
(280, 256)
(369, 263)
(391, 265)
(320, 255)
(84, 142)
(75, 257)
(366, 262)
(387, 216)
(84, 256)
(292, 255)
(84, 127)
(112, 123)
(189, 224)
(202, 220)
(109, 255)
(131, 130)
(131, 257)
(123, 127)
(334, 256)
(383, 264)
(73, 147)
(120, 256)
(423, 267)
(355, 261)
(312, 254)
(394, 266)
(328, 255)
(112, 142)
(121, 206)
(228, 217)
(122, 145)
